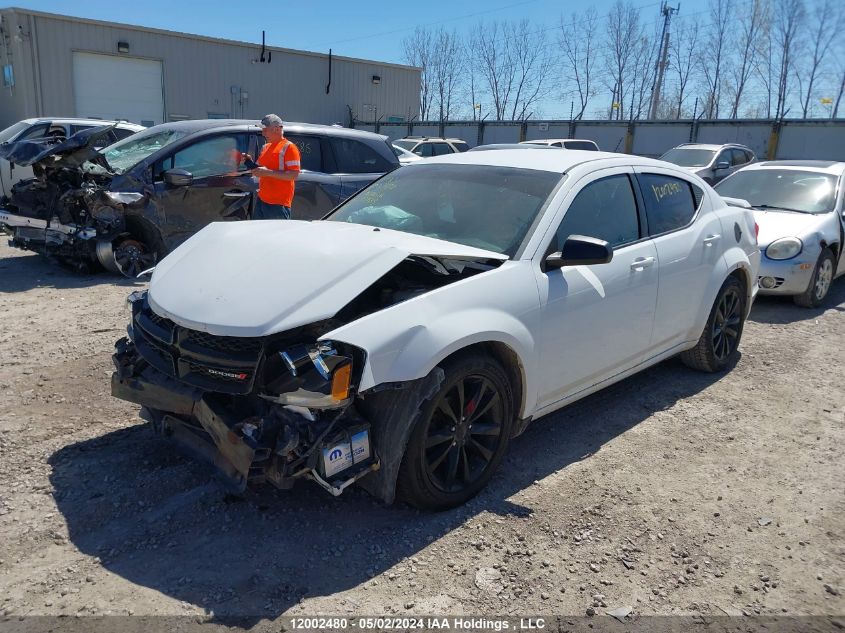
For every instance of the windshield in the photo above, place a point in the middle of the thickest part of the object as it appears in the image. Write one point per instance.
(477, 205)
(408, 145)
(806, 191)
(127, 153)
(12, 131)
(689, 157)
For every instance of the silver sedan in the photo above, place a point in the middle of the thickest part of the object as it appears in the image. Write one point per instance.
(799, 209)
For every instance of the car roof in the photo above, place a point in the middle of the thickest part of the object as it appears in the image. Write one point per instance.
(520, 146)
(192, 126)
(710, 146)
(539, 159)
(829, 166)
(72, 121)
(423, 139)
(557, 140)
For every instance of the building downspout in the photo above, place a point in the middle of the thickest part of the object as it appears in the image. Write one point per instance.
(36, 65)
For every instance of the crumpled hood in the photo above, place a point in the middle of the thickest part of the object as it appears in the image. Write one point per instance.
(259, 277)
(72, 152)
(777, 224)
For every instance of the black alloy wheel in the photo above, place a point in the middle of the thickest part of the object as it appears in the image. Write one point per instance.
(727, 325)
(463, 433)
(460, 435)
(718, 344)
(133, 257)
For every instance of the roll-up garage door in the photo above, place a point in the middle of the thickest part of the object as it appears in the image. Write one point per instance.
(112, 87)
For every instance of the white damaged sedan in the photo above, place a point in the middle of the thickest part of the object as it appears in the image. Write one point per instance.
(405, 339)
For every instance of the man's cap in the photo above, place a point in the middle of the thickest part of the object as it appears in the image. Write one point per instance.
(271, 120)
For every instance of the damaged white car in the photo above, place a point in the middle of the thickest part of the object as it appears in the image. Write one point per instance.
(405, 339)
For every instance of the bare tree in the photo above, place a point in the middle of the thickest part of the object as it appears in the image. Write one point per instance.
(789, 16)
(514, 63)
(827, 21)
(683, 51)
(493, 63)
(577, 40)
(622, 28)
(642, 72)
(835, 112)
(446, 65)
(751, 24)
(419, 51)
(532, 66)
(715, 56)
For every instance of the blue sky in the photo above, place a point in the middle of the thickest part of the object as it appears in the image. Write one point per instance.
(372, 30)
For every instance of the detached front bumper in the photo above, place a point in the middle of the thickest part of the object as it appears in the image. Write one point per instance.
(247, 442)
(786, 277)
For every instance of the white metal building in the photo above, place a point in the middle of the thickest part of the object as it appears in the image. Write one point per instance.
(55, 65)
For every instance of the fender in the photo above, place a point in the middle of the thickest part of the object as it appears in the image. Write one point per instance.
(406, 341)
(743, 254)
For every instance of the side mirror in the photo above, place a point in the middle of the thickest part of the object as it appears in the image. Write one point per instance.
(178, 177)
(579, 250)
(723, 164)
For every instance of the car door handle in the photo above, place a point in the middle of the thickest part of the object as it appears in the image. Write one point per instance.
(711, 239)
(641, 263)
(236, 194)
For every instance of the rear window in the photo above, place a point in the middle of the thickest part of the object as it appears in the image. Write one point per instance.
(584, 145)
(460, 146)
(121, 133)
(408, 145)
(689, 157)
(355, 157)
(310, 152)
(669, 202)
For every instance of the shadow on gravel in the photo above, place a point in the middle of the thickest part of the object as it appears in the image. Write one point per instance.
(781, 310)
(160, 521)
(24, 272)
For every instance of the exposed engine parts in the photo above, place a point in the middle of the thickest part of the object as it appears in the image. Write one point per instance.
(66, 210)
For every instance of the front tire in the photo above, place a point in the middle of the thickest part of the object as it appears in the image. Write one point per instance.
(820, 282)
(460, 436)
(719, 342)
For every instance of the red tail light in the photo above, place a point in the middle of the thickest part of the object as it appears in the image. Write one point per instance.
(756, 231)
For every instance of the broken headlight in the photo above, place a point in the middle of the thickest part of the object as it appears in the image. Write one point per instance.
(313, 375)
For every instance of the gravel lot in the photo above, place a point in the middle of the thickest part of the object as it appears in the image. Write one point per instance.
(671, 493)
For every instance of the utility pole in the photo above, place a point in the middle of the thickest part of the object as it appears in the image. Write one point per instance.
(657, 89)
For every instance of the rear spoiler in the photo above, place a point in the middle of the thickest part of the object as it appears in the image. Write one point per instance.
(737, 202)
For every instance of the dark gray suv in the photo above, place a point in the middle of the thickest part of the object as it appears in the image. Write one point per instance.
(127, 206)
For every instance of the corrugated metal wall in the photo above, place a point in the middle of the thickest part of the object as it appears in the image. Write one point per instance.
(811, 139)
(199, 75)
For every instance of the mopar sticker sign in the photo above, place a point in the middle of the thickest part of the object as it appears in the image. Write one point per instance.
(337, 458)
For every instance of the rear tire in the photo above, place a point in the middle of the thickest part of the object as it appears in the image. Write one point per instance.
(719, 342)
(820, 282)
(460, 436)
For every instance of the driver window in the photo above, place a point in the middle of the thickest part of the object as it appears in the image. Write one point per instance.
(210, 157)
(723, 157)
(605, 209)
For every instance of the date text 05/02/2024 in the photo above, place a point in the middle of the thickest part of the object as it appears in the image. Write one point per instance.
(459, 623)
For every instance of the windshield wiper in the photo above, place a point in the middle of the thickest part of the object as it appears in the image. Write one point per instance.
(778, 208)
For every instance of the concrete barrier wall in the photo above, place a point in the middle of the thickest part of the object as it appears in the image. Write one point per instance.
(799, 139)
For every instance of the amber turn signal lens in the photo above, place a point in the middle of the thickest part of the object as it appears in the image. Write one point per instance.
(340, 382)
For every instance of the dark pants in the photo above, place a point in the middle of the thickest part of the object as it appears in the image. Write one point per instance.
(266, 211)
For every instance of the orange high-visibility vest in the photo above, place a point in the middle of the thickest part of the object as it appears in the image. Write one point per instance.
(279, 156)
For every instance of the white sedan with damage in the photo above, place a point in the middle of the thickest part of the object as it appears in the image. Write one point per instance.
(405, 339)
